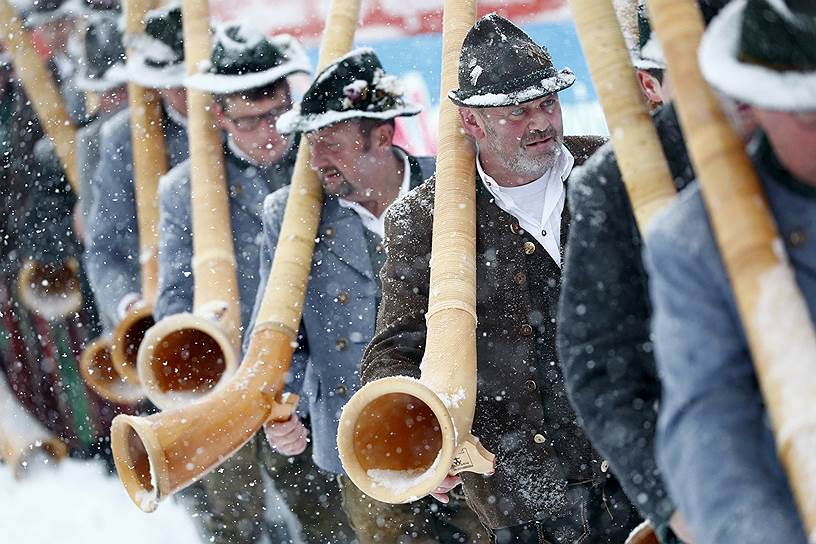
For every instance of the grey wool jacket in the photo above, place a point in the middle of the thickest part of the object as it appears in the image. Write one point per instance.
(339, 314)
(522, 415)
(112, 250)
(249, 184)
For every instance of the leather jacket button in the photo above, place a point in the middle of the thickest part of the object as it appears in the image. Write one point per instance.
(528, 248)
(520, 278)
(526, 330)
(604, 466)
(342, 297)
(539, 438)
(341, 344)
(797, 237)
(515, 228)
(531, 385)
(341, 390)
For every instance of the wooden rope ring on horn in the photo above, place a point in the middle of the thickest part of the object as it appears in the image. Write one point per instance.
(184, 357)
(97, 369)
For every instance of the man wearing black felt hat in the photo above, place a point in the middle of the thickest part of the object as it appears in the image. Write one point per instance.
(347, 116)
(247, 76)
(549, 484)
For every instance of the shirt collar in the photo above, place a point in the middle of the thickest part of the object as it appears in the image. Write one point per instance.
(563, 167)
(404, 188)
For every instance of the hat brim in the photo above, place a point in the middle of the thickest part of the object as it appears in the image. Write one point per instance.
(750, 83)
(562, 80)
(114, 77)
(227, 84)
(138, 71)
(68, 9)
(293, 122)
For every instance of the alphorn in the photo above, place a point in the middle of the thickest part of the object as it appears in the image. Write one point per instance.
(109, 364)
(400, 437)
(639, 153)
(158, 455)
(186, 356)
(637, 147)
(23, 438)
(50, 289)
(774, 314)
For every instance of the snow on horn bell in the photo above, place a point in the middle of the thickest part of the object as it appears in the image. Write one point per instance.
(399, 437)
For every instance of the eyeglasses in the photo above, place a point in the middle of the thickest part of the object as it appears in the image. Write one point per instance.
(251, 122)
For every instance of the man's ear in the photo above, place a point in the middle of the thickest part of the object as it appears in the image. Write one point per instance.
(470, 123)
(220, 117)
(650, 87)
(382, 136)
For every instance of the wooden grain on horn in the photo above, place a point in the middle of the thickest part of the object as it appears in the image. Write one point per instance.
(185, 356)
(762, 280)
(41, 89)
(150, 163)
(400, 437)
(160, 454)
(637, 147)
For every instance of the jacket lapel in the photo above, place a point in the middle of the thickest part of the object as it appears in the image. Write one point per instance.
(341, 233)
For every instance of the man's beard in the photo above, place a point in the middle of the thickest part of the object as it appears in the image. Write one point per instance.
(521, 162)
(342, 187)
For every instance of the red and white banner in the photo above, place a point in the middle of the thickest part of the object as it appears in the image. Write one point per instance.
(380, 18)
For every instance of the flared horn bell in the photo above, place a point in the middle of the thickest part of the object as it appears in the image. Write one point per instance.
(184, 357)
(160, 454)
(126, 339)
(52, 290)
(23, 438)
(99, 372)
(400, 437)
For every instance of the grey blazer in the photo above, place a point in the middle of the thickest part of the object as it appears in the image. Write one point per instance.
(339, 315)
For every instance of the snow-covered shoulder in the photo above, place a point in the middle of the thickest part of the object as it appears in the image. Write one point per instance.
(117, 127)
(176, 182)
(683, 226)
(274, 205)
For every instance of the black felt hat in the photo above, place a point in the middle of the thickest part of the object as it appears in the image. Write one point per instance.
(92, 8)
(156, 56)
(353, 87)
(763, 53)
(102, 57)
(243, 59)
(41, 12)
(647, 54)
(500, 65)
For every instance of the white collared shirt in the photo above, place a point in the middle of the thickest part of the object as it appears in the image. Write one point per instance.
(370, 221)
(537, 205)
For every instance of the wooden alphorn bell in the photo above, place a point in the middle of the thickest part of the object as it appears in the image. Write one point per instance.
(400, 437)
(51, 289)
(109, 364)
(22, 437)
(762, 280)
(637, 147)
(186, 356)
(158, 455)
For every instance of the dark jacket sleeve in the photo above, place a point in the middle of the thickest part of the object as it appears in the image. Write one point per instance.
(399, 343)
(603, 333)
